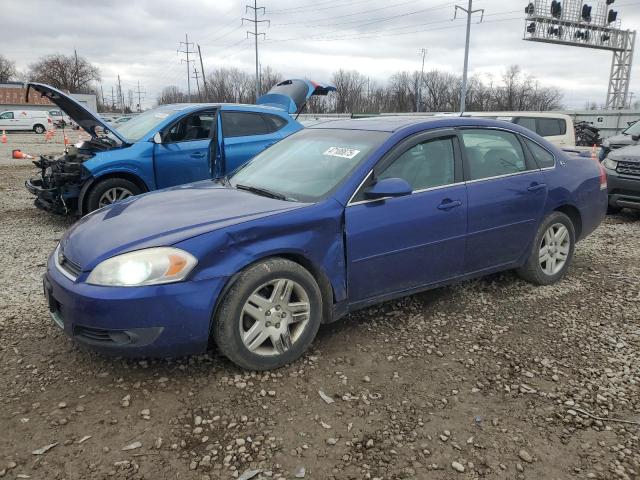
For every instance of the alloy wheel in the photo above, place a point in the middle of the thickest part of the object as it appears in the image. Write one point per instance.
(554, 249)
(113, 195)
(274, 317)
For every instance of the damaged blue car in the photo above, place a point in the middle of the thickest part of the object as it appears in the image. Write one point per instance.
(162, 147)
(331, 219)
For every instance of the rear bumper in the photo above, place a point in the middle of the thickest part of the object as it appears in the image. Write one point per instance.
(624, 191)
(168, 320)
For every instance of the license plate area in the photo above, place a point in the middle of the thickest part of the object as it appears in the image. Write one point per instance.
(54, 305)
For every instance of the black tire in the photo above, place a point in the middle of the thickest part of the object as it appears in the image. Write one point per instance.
(226, 324)
(39, 129)
(100, 188)
(532, 270)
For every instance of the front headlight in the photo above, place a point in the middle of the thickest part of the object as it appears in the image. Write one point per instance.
(151, 266)
(609, 164)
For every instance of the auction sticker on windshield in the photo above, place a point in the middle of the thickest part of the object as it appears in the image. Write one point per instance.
(341, 152)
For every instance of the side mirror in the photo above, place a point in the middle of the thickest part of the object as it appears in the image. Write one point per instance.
(388, 188)
(157, 138)
(635, 138)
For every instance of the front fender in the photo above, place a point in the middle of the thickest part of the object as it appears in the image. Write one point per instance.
(136, 159)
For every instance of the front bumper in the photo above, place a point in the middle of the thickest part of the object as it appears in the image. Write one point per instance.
(50, 199)
(168, 320)
(624, 190)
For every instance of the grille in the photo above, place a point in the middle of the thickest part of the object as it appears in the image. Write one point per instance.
(628, 168)
(68, 266)
(99, 335)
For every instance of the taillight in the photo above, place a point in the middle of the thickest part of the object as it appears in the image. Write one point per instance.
(49, 120)
(603, 177)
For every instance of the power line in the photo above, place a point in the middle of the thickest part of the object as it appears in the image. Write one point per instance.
(255, 34)
(187, 50)
(141, 93)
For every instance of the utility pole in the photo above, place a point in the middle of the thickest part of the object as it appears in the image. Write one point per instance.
(102, 95)
(187, 50)
(195, 75)
(113, 105)
(423, 52)
(469, 11)
(140, 93)
(120, 97)
(255, 34)
(204, 79)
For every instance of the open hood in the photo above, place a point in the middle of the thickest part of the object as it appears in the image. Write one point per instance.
(292, 95)
(87, 120)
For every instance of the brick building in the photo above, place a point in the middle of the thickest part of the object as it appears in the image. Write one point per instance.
(12, 95)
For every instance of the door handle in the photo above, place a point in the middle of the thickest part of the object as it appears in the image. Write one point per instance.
(197, 155)
(449, 204)
(537, 186)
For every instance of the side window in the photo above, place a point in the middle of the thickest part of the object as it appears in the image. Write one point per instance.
(198, 126)
(551, 127)
(491, 153)
(526, 122)
(425, 165)
(6, 116)
(543, 157)
(242, 124)
(275, 122)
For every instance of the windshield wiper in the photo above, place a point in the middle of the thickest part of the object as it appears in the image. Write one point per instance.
(261, 191)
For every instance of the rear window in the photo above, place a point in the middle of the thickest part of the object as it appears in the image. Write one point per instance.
(526, 122)
(542, 156)
(551, 127)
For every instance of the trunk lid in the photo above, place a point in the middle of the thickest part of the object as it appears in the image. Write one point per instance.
(292, 95)
(85, 119)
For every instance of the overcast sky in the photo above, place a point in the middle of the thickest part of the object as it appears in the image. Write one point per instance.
(138, 39)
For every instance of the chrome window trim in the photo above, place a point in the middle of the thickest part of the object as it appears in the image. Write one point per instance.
(502, 176)
(439, 187)
(59, 267)
(351, 202)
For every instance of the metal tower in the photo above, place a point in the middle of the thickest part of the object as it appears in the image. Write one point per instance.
(578, 24)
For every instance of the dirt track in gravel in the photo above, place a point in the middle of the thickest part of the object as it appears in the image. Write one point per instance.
(491, 374)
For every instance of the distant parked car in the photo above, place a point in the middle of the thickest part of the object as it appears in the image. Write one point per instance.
(61, 120)
(556, 128)
(332, 219)
(166, 146)
(629, 136)
(16, 120)
(119, 121)
(623, 177)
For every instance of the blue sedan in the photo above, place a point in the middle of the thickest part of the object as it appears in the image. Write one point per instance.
(329, 220)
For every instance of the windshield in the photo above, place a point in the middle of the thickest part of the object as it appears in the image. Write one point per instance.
(309, 164)
(136, 128)
(633, 129)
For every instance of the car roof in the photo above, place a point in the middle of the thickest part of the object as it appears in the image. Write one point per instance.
(518, 114)
(395, 123)
(188, 107)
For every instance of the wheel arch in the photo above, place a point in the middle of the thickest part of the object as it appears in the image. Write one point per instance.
(574, 215)
(326, 288)
(90, 184)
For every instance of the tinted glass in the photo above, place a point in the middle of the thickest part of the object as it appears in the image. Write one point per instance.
(193, 127)
(633, 129)
(309, 164)
(6, 116)
(426, 165)
(242, 124)
(543, 157)
(275, 123)
(526, 122)
(491, 153)
(550, 127)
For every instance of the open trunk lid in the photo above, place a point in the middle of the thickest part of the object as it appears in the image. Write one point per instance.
(87, 120)
(292, 95)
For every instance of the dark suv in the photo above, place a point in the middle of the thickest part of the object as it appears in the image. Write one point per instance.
(623, 178)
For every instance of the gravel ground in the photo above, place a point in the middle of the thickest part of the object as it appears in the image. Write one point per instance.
(491, 379)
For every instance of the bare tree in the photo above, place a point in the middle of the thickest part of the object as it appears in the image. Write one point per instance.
(8, 70)
(171, 94)
(268, 78)
(66, 72)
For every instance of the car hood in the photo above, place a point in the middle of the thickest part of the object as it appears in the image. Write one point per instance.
(292, 95)
(164, 218)
(629, 154)
(618, 141)
(85, 119)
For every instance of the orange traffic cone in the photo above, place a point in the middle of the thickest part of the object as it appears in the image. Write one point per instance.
(4, 136)
(66, 139)
(18, 155)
